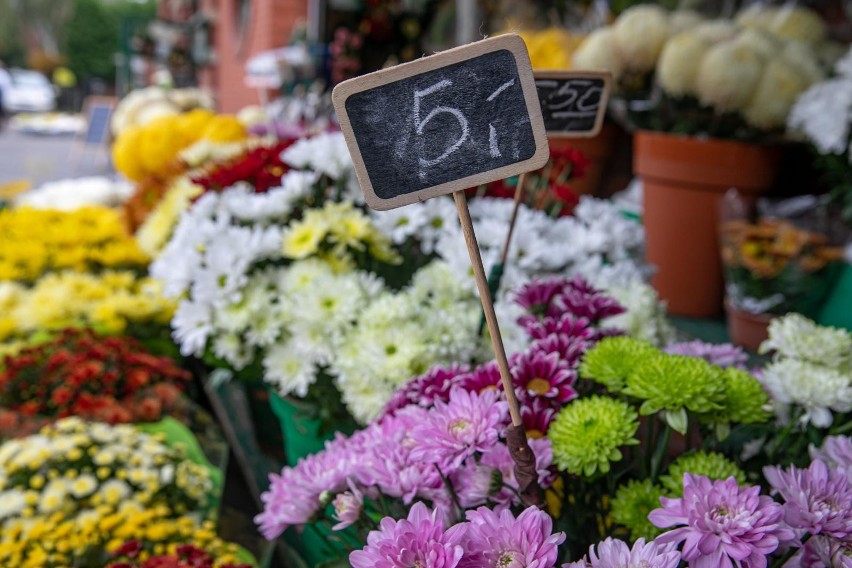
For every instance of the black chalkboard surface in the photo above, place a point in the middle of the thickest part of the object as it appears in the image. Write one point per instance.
(573, 103)
(443, 123)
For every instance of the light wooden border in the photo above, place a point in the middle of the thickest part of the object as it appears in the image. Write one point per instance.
(561, 74)
(510, 42)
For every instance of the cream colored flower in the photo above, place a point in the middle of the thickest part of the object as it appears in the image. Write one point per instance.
(728, 76)
(682, 20)
(716, 30)
(766, 45)
(797, 23)
(678, 65)
(153, 110)
(640, 34)
(598, 53)
(779, 87)
(804, 60)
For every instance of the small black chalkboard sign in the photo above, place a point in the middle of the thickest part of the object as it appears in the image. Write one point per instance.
(573, 103)
(454, 120)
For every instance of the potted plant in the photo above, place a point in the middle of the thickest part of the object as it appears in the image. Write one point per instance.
(706, 99)
(823, 116)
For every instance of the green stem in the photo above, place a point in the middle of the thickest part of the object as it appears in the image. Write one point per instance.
(649, 439)
(451, 490)
(660, 452)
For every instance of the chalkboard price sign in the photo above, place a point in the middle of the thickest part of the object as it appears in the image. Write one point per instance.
(443, 123)
(573, 103)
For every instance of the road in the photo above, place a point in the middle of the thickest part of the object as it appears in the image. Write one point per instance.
(38, 159)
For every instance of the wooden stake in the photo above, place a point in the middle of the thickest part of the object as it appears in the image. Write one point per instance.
(519, 192)
(487, 306)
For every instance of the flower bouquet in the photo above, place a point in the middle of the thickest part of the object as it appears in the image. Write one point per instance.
(112, 380)
(131, 555)
(772, 266)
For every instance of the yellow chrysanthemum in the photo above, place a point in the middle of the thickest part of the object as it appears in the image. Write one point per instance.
(154, 233)
(224, 128)
(302, 238)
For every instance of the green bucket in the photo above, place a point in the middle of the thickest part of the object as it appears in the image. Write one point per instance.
(301, 432)
(836, 311)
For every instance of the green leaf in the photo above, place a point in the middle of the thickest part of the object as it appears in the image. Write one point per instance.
(677, 419)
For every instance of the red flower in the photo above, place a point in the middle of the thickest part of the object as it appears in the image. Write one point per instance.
(61, 396)
(261, 167)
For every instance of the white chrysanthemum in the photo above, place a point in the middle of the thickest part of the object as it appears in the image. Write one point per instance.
(70, 194)
(289, 369)
(728, 76)
(192, 324)
(716, 31)
(682, 20)
(245, 205)
(823, 113)
(818, 390)
(779, 87)
(598, 53)
(12, 502)
(645, 317)
(640, 32)
(401, 223)
(515, 338)
(439, 217)
(324, 153)
(788, 22)
(798, 337)
(677, 68)
(844, 65)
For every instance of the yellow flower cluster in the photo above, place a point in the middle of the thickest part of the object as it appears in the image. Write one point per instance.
(109, 302)
(73, 467)
(90, 539)
(155, 232)
(35, 241)
(551, 48)
(336, 233)
(148, 150)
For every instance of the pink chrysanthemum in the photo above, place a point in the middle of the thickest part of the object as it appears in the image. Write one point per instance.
(474, 483)
(570, 348)
(494, 539)
(566, 324)
(821, 551)
(536, 295)
(613, 553)
(418, 540)
(723, 355)
(836, 452)
(501, 460)
(817, 499)
(536, 374)
(582, 300)
(426, 389)
(483, 378)
(537, 415)
(725, 523)
(452, 431)
(348, 507)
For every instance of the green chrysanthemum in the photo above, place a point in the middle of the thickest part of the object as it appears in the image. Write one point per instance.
(612, 359)
(588, 432)
(709, 464)
(676, 383)
(631, 505)
(745, 400)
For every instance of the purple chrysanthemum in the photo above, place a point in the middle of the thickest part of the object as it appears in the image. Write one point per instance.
(501, 460)
(817, 499)
(452, 431)
(723, 355)
(613, 553)
(536, 374)
(821, 551)
(483, 378)
(419, 540)
(426, 389)
(474, 483)
(536, 295)
(537, 415)
(570, 348)
(494, 539)
(724, 523)
(836, 452)
(347, 507)
(582, 300)
(566, 324)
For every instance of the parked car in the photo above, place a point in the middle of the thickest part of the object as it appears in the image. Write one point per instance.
(30, 92)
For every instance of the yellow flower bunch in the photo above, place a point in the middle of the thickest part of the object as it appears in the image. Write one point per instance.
(35, 241)
(109, 302)
(73, 467)
(148, 150)
(155, 232)
(90, 539)
(336, 233)
(551, 48)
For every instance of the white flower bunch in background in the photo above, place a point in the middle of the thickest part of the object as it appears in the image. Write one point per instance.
(433, 321)
(645, 315)
(811, 370)
(326, 154)
(74, 193)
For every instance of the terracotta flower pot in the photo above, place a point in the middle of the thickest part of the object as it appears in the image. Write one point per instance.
(685, 178)
(598, 149)
(746, 329)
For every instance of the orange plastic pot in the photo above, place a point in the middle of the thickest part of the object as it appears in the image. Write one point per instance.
(684, 180)
(746, 329)
(598, 150)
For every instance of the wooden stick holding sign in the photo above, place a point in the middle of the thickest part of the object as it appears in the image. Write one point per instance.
(573, 105)
(441, 124)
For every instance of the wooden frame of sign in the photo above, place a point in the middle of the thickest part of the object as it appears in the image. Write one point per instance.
(603, 77)
(510, 43)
